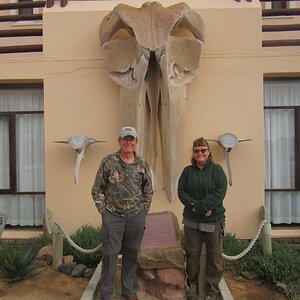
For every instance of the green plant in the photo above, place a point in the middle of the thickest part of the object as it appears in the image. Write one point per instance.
(39, 242)
(17, 263)
(86, 237)
(231, 247)
(282, 266)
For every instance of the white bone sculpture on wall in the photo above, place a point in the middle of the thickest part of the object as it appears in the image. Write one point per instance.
(228, 141)
(153, 64)
(79, 143)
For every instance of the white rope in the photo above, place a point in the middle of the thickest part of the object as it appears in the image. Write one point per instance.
(236, 257)
(251, 244)
(61, 227)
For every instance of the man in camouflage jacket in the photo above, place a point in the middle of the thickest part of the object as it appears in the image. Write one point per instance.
(122, 192)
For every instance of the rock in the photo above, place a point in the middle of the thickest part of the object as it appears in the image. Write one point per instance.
(161, 244)
(249, 275)
(45, 253)
(146, 274)
(172, 276)
(88, 273)
(66, 268)
(281, 287)
(239, 279)
(259, 283)
(161, 258)
(68, 258)
(78, 270)
(164, 292)
(141, 292)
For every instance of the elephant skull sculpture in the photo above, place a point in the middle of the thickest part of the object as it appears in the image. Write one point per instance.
(228, 141)
(79, 143)
(153, 66)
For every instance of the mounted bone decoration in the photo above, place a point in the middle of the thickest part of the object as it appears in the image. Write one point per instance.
(79, 143)
(228, 141)
(153, 53)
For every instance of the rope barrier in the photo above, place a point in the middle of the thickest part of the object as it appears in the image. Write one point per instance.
(251, 244)
(235, 257)
(61, 227)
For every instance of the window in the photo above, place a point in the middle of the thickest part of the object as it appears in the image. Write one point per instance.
(25, 11)
(279, 4)
(22, 154)
(282, 136)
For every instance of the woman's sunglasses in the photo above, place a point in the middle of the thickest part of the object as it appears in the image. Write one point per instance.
(197, 151)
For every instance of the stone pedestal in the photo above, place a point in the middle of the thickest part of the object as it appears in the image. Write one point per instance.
(161, 259)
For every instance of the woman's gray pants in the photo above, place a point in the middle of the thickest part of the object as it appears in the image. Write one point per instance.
(120, 235)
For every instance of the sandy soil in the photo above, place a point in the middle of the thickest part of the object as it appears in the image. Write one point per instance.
(52, 285)
(47, 285)
(248, 290)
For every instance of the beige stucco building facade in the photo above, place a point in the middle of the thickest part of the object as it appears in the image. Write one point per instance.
(80, 98)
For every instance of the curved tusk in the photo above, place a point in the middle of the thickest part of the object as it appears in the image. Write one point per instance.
(227, 158)
(80, 156)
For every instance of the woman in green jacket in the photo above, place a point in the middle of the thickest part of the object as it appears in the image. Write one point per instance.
(202, 187)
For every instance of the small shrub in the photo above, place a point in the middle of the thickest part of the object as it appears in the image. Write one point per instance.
(39, 242)
(17, 264)
(233, 247)
(86, 237)
(283, 265)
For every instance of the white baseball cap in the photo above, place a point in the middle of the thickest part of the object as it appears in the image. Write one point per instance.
(127, 130)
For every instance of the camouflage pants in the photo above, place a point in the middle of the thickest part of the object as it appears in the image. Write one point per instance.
(214, 247)
(120, 235)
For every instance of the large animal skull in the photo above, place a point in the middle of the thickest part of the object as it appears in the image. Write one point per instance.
(228, 141)
(79, 143)
(153, 66)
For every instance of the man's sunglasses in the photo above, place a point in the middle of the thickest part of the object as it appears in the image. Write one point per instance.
(197, 151)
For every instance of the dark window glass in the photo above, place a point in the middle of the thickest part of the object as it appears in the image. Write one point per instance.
(25, 11)
(279, 5)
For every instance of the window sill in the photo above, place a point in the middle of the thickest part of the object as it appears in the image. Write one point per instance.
(285, 233)
(20, 234)
(278, 17)
(26, 23)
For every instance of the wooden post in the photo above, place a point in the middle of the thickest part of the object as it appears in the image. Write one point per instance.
(267, 239)
(201, 278)
(47, 222)
(57, 244)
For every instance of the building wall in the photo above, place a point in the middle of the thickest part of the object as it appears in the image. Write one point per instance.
(80, 98)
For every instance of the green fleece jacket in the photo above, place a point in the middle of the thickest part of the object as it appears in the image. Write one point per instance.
(204, 190)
